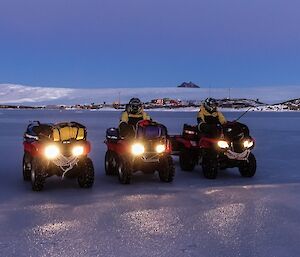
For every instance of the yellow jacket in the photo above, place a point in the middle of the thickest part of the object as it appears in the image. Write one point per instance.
(133, 118)
(207, 117)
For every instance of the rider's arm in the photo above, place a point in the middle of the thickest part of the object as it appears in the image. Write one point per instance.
(222, 119)
(146, 116)
(200, 117)
(124, 117)
(125, 129)
(201, 121)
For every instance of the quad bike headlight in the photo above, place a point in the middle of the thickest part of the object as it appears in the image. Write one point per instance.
(223, 144)
(77, 150)
(137, 149)
(51, 152)
(248, 143)
(160, 148)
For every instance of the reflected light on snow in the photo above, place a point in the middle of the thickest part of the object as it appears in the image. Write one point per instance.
(212, 191)
(162, 221)
(147, 197)
(262, 186)
(137, 197)
(52, 229)
(224, 221)
(44, 208)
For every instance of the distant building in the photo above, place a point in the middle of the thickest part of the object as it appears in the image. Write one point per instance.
(55, 107)
(166, 102)
(157, 101)
(189, 85)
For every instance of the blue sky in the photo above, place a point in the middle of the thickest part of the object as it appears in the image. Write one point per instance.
(136, 43)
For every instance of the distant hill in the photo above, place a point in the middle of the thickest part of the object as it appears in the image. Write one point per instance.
(239, 103)
(189, 85)
(295, 102)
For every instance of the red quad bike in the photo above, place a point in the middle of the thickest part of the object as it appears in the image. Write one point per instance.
(230, 147)
(149, 150)
(57, 149)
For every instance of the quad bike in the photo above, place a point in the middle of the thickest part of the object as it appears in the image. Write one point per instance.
(149, 150)
(229, 147)
(57, 149)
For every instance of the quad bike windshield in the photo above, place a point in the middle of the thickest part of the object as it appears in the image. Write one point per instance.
(235, 131)
(234, 140)
(152, 131)
(151, 137)
(237, 136)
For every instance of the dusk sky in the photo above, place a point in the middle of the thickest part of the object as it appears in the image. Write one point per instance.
(137, 43)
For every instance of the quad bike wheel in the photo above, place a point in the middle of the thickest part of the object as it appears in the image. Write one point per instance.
(124, 171)
(187, 161)
(166, 169)
(110, 163)
(26, 167)
(86, 173)
(37, 175)
(248, 168)
(210, 165)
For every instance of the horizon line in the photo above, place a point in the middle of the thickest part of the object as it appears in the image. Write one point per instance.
(155, 86)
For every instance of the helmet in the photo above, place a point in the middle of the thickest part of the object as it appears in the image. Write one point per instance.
(210, 104)
(135, 106)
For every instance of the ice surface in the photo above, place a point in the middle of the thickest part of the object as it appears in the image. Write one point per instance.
(230, 216)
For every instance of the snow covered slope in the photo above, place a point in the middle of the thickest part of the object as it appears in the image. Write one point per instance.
(19, 94)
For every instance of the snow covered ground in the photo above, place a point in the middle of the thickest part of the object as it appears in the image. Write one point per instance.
(230, 216)
(19, 94)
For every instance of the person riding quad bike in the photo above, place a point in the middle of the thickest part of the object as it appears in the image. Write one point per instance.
(215, 143)
(139, 144)
(131, 116)
(209, 118)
